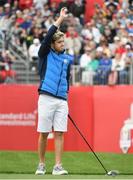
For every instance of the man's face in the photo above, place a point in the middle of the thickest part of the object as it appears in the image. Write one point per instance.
(58, 45)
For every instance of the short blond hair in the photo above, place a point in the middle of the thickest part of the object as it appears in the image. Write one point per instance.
(57, 36)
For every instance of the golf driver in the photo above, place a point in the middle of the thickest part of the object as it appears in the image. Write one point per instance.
(109, 173)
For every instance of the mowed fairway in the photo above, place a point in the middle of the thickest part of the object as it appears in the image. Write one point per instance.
(31, 176)
(81, 165)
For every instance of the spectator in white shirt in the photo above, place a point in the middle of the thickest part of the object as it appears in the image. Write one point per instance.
(33, 53)
(84, 61)
(118, 71)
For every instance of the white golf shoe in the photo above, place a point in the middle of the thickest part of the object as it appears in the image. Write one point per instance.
(41, 170)
(59, 170)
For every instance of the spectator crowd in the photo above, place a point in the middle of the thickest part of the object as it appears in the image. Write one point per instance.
(102, 47)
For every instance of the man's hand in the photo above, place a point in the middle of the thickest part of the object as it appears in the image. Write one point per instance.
(63, 12)
(63, 15)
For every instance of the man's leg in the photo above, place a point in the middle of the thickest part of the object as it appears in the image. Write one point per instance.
(60, 126)
(59, 141)
(42, 144)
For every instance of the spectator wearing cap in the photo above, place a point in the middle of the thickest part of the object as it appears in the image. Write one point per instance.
(33, 54)
(19, 17)
(5, 23)
(7, 10)
(113, 46)
(99, 52)
(128, 56)
(129, 51)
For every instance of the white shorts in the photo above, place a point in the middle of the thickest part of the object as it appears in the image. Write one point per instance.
(52, 113)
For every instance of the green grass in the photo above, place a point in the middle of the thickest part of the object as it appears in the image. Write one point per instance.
(80, 165)
(31, 176)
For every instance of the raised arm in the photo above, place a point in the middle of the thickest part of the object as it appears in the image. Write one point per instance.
(46, 43)
(63, 15)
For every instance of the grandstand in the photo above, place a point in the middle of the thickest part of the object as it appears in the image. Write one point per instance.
(106, 31)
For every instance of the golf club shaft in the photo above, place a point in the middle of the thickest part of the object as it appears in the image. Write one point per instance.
(87, 143)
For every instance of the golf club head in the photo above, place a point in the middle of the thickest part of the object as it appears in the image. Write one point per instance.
(113, 173)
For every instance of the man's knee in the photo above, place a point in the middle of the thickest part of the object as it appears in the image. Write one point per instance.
(58, 134)
(43, 136)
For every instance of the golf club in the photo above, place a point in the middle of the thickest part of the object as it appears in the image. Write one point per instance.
(109, 173)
